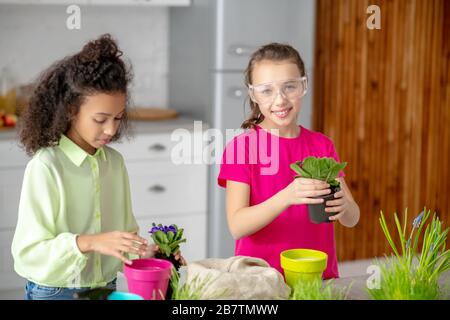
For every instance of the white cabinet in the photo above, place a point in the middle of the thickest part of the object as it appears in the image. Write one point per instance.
(162, 187)
(103, 2)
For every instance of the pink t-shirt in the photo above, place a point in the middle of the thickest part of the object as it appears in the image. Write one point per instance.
(248, 158)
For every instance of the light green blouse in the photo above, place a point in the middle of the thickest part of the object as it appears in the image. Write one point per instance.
(68, 192)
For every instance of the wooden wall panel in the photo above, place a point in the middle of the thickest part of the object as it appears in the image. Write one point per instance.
(383, 96)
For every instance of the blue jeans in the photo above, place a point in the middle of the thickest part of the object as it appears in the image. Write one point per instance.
(34, 291)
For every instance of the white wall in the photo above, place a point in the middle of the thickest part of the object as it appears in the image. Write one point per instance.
(34, 36)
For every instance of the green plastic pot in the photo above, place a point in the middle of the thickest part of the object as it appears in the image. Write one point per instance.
(303, 264)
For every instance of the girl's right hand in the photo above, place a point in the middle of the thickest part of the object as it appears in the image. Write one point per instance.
(302, 191)
(114, 244)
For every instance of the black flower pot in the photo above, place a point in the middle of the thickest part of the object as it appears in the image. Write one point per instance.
(317, 213)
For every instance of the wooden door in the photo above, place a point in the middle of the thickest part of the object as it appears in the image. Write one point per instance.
(383, 96)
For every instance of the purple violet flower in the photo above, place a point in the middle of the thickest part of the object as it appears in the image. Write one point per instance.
(171, 228)
(164, 229)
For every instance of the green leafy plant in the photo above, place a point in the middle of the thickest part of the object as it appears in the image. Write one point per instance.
(410, 274)
(325, 169)
(317, 290)
(168, 238)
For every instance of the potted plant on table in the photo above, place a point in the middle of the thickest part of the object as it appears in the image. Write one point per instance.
(150, 277)
(410, 275)
(168, 239)
(325, 169)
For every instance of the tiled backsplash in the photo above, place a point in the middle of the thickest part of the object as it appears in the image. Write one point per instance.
(34, 36)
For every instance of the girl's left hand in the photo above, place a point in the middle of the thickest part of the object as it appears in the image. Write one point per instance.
(338, 206)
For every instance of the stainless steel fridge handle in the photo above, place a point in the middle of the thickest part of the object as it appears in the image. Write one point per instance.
(242, 50)
(236, 92)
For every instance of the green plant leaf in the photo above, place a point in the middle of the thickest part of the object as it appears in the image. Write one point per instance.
(387, 234)
(176, 243)
(165, 249)
(296, 167)
(170, 236)
(311, 166)
(179, 234)
(325, 169)
(400, 233)
(159, 237)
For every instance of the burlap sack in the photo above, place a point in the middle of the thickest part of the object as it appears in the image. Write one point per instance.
(236, 278)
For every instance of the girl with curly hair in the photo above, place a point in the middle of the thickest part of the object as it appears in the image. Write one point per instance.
(75, 224)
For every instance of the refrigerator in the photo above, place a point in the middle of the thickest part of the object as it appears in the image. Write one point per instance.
(210, 45)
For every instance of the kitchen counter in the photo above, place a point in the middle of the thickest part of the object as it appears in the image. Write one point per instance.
(163, 125)
(8, 133)
(136, 127)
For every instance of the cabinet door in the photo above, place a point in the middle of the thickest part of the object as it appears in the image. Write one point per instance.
(194, 226)
(165, 188)
(145, 146)
(251, 23)
(158, 146)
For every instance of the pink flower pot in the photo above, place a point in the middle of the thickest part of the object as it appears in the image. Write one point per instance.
(148, 278)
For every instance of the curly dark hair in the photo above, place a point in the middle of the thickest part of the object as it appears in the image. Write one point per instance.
(62, 88)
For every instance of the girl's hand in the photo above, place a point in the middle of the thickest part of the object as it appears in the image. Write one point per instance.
(152, 249)
(339, 205)
(113, 244)
(302, 191)
(180, 258)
